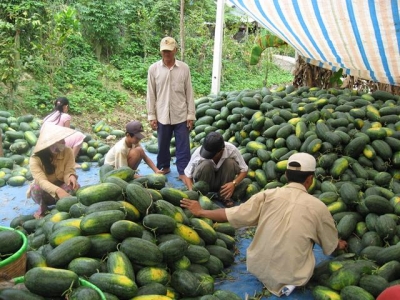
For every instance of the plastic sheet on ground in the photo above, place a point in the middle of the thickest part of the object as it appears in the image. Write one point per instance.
(13, 203)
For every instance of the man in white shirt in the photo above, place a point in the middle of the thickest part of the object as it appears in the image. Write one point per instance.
(128, 151)
(218, 163)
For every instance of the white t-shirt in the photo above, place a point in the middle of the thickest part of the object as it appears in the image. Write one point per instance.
(117, 156)
(230, 151)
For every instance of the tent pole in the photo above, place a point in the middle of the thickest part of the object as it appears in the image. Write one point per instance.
(218, 38)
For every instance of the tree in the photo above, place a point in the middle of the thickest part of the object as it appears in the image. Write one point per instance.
(164, 14)
(50, 44)
(15, 17)
(103, 23)
(140, 38)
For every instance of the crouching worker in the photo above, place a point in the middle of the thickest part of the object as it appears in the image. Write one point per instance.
(53, 168)
(289, 222)
(218, 163)
(128, 151)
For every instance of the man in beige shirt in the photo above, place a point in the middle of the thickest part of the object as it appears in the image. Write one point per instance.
(170, 106)
(289, 222)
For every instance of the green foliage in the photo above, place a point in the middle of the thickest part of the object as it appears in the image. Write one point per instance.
(50, 45)
(165, 17)
(140, 39)
(15, 17)
(9, 71)
(337, 77)
(102, 21)
(254, 77)
(97, 53)
(77, 46)
(133, 73)
(39, 99)
(201, 82)
(101, 101)
(286, 50)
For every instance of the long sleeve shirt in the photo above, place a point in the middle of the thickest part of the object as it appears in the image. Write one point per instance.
(170, 97)
(289, 221)
(64, 163)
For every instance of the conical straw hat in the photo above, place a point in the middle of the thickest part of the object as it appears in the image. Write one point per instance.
(51, 134)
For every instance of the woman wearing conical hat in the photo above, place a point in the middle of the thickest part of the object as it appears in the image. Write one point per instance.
(60, 116)
(53, 168)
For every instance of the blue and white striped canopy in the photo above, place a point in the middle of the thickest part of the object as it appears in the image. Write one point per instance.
(360, 36)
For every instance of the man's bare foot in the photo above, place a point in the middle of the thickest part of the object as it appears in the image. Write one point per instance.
(39, 214)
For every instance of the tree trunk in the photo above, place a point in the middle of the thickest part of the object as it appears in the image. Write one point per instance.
(98, 50)
(182, 29)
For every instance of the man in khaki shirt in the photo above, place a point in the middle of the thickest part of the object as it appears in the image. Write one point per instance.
(170, 106)
(289, 222)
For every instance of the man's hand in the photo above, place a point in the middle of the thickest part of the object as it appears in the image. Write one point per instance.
(192, 205)
(342, 245)
(217, 215)
(187, 181)
(153, 124)
(189, 124)
(158, 171)
(227, 190)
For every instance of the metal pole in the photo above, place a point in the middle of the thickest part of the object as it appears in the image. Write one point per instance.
(218, 38)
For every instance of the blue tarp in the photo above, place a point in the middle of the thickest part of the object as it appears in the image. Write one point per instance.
(360, 36)
(14, 203)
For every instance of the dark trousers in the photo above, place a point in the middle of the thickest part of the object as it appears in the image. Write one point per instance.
(182, 144)
(205, 171)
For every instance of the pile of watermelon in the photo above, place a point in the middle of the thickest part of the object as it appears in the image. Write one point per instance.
(130, 238)
(20, 135)
(354, 137)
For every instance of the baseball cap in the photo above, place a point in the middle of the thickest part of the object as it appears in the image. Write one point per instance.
(135, 127)
(213, 143)
(306, 161)
(168, 43)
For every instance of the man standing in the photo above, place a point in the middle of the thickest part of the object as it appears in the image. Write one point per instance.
(218, 163)
(289, 222)
(170, 106)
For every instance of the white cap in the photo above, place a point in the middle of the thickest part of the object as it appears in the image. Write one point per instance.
(306, 161)
(168, 43)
